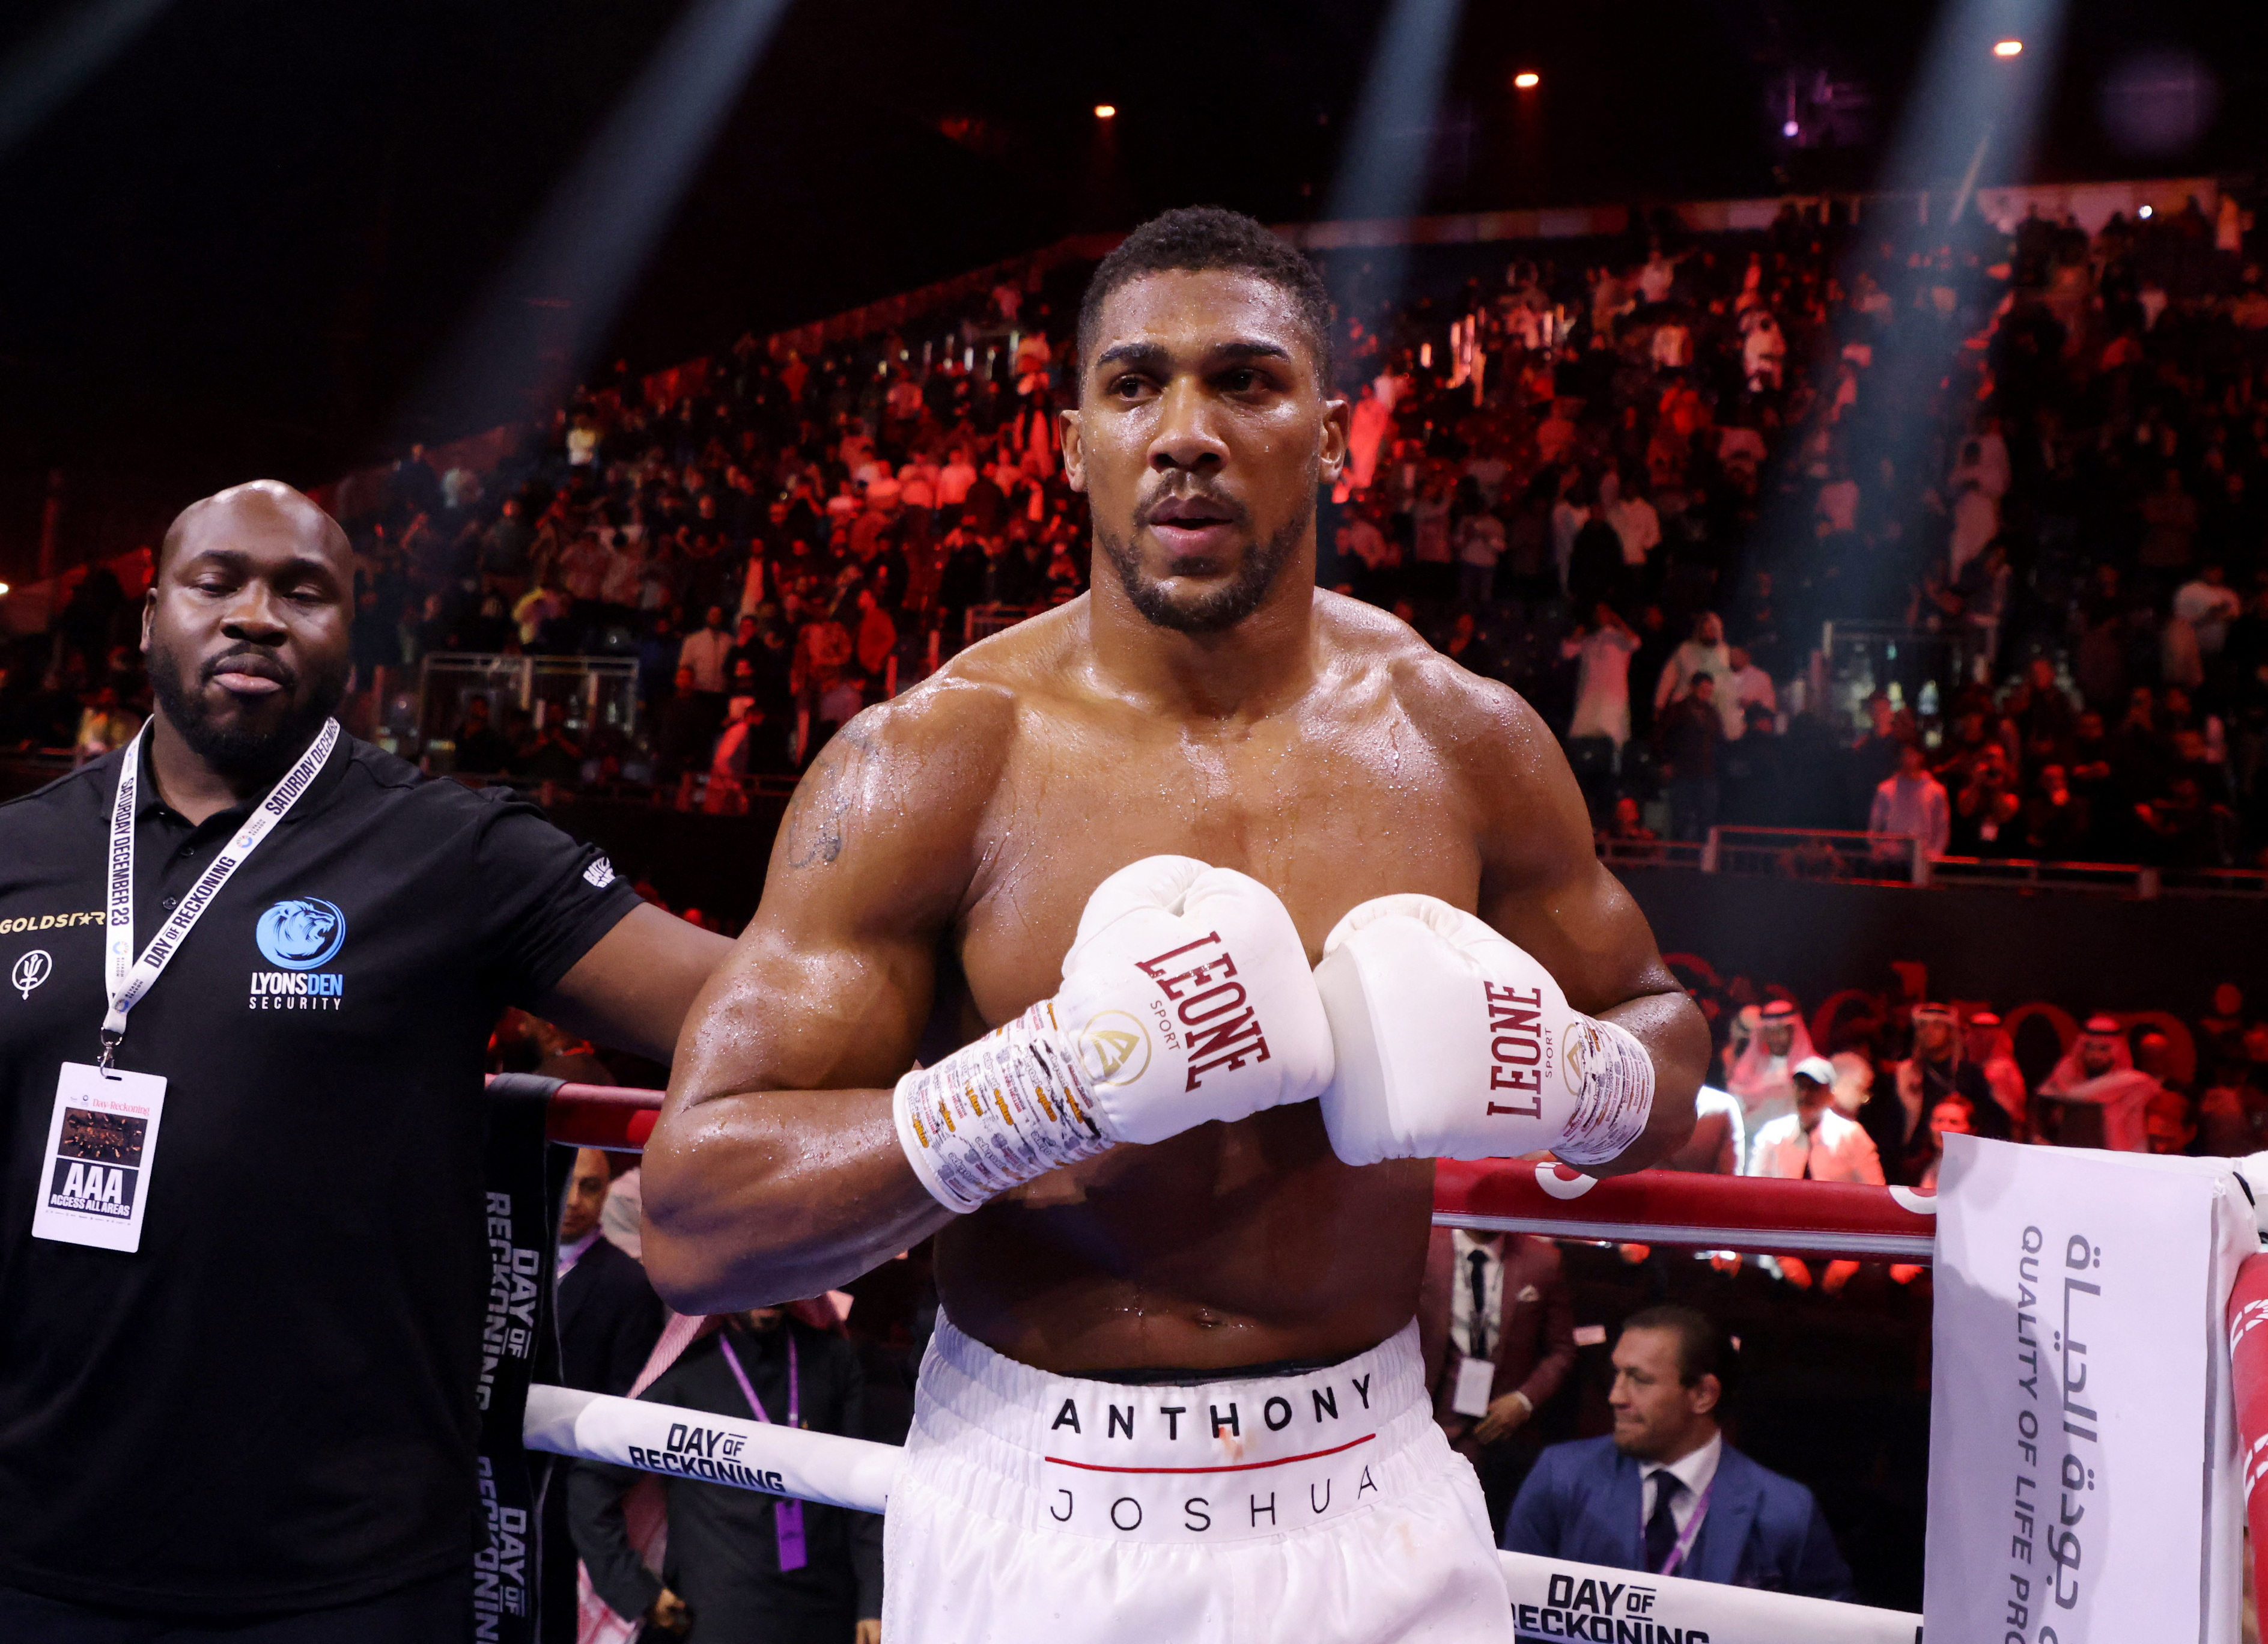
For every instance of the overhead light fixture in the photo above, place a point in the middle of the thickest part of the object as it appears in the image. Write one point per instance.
(2144, 213)
(1106, 111)
(2007, 47)
(1790, 129)
(1528, 79)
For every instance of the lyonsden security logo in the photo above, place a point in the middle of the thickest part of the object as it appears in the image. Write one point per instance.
(600, 874)
(1114, 1048)
(30, 970)
(299, 936)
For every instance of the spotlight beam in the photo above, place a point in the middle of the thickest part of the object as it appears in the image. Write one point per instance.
(586, 249)
(1383, 172)
(47, 71)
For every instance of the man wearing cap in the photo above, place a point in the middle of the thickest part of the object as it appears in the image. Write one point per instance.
(1816, 1144)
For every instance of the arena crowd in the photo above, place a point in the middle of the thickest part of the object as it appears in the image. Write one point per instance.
(1635, 479)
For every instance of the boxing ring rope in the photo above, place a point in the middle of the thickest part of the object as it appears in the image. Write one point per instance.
(1551, 1597)
(1668, 1207)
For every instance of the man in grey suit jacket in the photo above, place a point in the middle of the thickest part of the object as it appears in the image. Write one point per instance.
(1666, 1494)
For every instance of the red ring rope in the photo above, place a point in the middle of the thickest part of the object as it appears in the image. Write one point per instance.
(1650, 1207)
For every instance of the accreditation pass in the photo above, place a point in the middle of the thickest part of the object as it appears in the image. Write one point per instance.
(102, 1140)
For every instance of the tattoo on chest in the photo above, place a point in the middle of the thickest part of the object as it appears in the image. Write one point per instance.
(816, 816)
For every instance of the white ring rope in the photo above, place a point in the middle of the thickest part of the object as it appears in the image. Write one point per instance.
(1582, 1601)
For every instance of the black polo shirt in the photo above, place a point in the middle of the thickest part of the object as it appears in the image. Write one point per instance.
(270, 1406)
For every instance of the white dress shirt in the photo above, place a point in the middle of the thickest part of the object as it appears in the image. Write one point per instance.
(570, 1254)
(1837, 1150)
(1694, 1471)
(1460, 1292)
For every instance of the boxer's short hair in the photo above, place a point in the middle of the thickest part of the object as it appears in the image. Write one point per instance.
(1199, 238)
(1703, 1348)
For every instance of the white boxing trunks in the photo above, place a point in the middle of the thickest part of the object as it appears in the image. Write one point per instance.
(1321, 1506)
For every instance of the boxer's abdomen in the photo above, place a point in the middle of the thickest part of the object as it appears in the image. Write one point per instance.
(1230, 1245)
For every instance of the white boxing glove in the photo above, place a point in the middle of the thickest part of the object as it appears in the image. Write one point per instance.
(1186, 998)
(1453, 1044)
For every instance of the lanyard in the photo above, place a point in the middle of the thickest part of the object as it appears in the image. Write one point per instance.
(1676, 1559)
(125, 979)
(787, 1514)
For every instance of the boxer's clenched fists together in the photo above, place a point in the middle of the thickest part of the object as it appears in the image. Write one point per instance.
(1454, 1044)
(1186, 998)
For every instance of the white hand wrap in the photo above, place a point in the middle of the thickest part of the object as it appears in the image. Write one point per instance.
(1453, 1044)
(1186, 998)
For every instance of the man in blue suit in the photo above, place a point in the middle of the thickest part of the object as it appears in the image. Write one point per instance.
(1666, 1494)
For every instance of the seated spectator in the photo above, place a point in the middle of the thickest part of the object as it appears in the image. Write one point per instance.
(1498, 1301)
(2099, 1098)
(1665, 1494)
(1986, 1044)
(2168, 1122)
(1769, 1045)
(1718, 1144)
(1814, 1143)
(740, 1564)
(1952, 1117)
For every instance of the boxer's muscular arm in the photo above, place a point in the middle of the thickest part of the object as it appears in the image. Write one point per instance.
(1542, 886)
(775, 1170)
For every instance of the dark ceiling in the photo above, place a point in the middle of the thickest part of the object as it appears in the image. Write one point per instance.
(241, 245)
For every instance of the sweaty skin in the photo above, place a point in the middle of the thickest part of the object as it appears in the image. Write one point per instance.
(934, 862)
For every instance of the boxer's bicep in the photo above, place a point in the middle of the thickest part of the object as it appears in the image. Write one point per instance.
(775, 1169)
(830, 984)
(1543, 887)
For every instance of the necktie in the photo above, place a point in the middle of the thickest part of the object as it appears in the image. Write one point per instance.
(1662, 1526)
(1477, 1331)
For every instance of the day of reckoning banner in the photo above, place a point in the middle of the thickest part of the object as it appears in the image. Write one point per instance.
(521, 1189)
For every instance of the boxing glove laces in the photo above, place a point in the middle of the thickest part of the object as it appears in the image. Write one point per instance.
(1186, 998)
(1452, 1042)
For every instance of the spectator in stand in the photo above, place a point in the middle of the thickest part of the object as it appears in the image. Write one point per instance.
(1912, 803)
(1816, 1143)
(1718, 1145)
(1987, 819)
(1949, 1117)
(481, 749)
(1704, 655)
(1937, 1069)
(1986, 1044)
(2170, 1125)
(1665, 1494)
(1768, 1046)
(1497, 1302)
(1602, 651)
(1689, 733)
(2095, 1096)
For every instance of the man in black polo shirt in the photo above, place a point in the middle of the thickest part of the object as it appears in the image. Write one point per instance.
(245, 1400)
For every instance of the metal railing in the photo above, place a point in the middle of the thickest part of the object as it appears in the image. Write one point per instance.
(1846, 857)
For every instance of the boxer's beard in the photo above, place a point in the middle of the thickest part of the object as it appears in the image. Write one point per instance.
(1224, 606)
(241, 750)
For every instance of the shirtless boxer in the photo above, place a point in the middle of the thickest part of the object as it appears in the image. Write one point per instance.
(1174, 1392)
